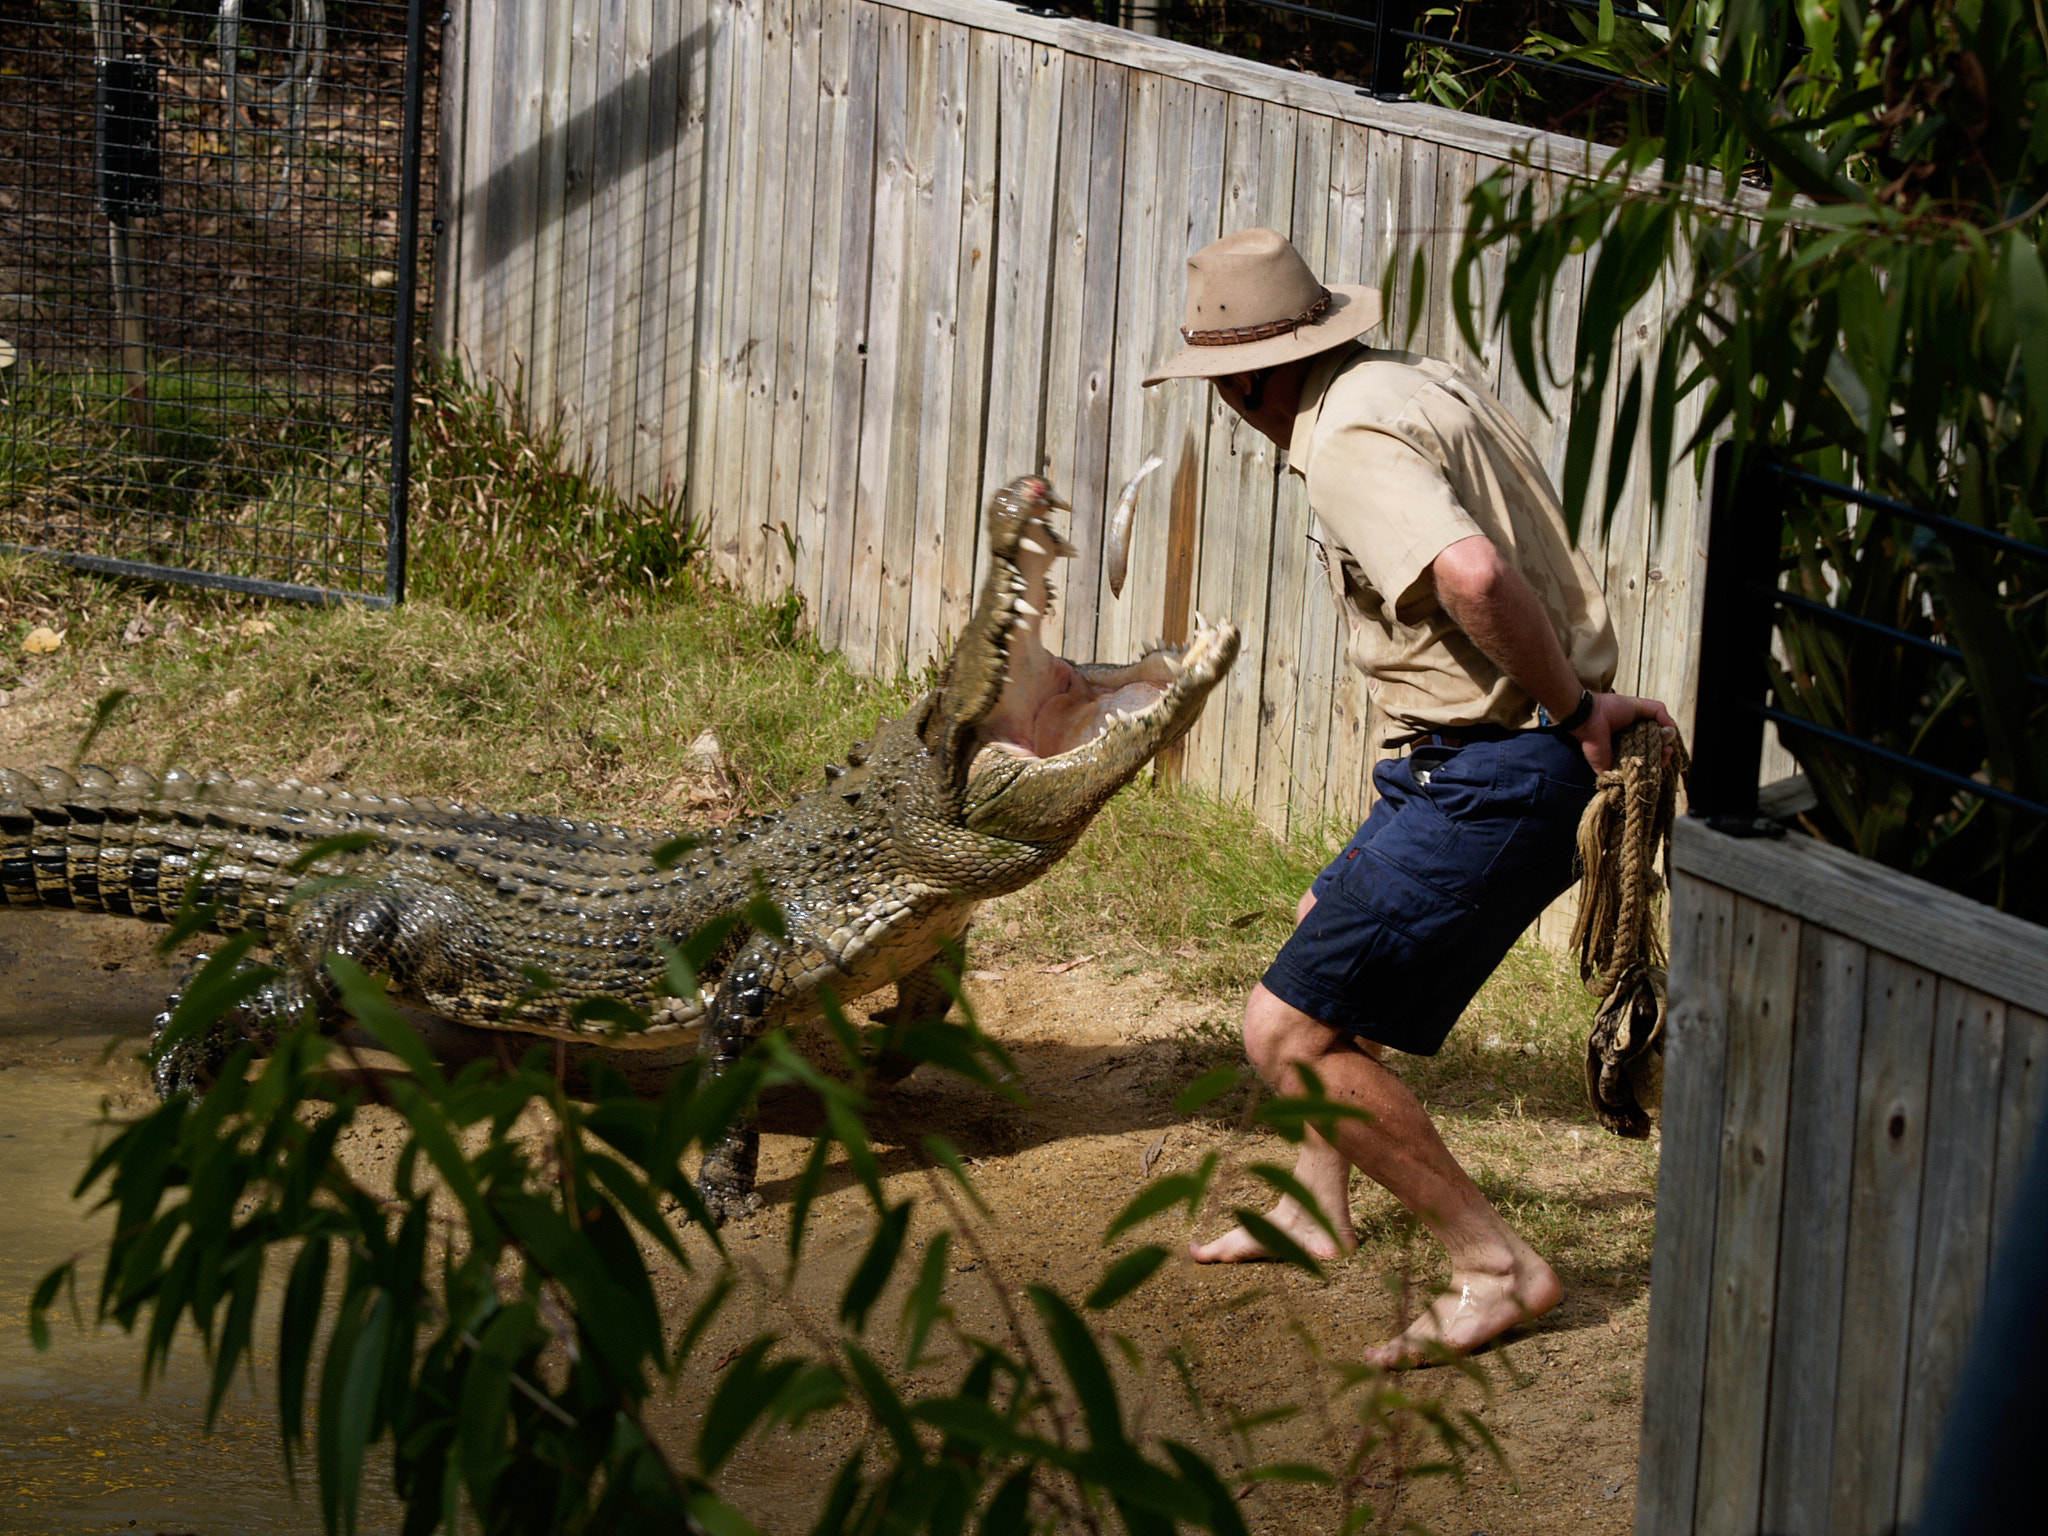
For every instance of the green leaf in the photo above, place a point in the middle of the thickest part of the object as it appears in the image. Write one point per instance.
(1290, 1472)
(1009, 1512)
(247, 1283)
(1224, 1516)
(1623, 445)
(809, 1180)
(368, 1004)
(298, 1322)
(1278, 1244)
(63, 1277)
(1162, 1194)
(622, 1019)
(348, 1402)
(947, 1156)
(875, 1267)
(221, 985)
(637, 1200)
(484, 1437)
(702, 1315)
(1207, 1088)
(750, 1387)
(884, 1401)
(1283, 1180)
(1085, 1367)
(926, 1303)
(1125, 1276)
(2026, 302)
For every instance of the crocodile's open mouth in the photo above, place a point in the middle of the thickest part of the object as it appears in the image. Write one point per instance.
(1050, 706)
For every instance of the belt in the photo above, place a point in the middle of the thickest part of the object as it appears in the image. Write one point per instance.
(1465, 736)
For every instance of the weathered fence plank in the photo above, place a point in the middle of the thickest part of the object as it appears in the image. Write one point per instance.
(1682, 1263)
(630, 323)
(782, 516)
(1884, 1198)
(1088, 481)
(608, 211)
(902, 464)
(1121, 623)
(1272, 781)
(1762, 980)
(879, 399)
(1806, 1332)
(543, 397)
(975, 395)
(942, 149)
(2023, 1092)
(1028, 143)
(824, 334)
(647, 421)
(849, 364)
(480, 212)
(571, 278)
(1065, 301)
(684, 234)
(1953, 1247)
(770, 316)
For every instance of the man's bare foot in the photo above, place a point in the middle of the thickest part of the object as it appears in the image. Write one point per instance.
(1238, 1246)
(1477, 1309)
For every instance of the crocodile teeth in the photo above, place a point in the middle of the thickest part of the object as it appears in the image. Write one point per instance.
(1024, 607)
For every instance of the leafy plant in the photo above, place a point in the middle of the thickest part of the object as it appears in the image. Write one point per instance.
(1842, 215)
(493, 1316)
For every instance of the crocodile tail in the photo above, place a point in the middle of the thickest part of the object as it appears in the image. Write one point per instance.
(130, 843)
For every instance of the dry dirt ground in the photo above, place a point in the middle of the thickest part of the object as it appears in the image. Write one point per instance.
(1101, 1052)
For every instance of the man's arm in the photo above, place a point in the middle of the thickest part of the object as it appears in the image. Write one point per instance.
(1500, 613)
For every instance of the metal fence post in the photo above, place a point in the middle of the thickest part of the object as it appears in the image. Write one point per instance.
(1390, 53)
(395, 534)
(1743, 535)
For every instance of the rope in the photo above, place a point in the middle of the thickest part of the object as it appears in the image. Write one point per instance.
(1621, 947)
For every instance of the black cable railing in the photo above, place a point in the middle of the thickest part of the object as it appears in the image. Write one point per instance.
(1741, 607)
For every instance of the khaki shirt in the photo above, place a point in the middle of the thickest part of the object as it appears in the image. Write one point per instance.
(1403, 457)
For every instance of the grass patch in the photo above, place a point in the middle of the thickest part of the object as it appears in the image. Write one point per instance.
(1171, 878)
(558, 654)
(237, 473)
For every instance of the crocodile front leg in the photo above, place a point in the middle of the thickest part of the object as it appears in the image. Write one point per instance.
(921, 998)
(193, 1064)
(750, 996)
(424, 938)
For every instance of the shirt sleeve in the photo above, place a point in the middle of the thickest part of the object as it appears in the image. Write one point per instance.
(1387, 502)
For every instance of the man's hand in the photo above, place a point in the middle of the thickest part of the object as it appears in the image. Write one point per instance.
(1612, 714)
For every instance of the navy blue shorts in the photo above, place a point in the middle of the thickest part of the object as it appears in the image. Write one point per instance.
(1460, 853)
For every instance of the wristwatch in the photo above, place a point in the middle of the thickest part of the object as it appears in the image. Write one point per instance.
(1581, 713)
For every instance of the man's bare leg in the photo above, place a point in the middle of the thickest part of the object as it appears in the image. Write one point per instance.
(1320, 1169)
(1497, 1280)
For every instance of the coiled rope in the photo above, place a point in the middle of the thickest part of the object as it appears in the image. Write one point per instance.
(1620, 943)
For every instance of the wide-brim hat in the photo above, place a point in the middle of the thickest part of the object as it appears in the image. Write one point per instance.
(1253, 303)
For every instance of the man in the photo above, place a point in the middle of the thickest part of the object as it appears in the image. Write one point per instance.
(1478, 626)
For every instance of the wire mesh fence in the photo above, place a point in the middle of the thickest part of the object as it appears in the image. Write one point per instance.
(209, 240)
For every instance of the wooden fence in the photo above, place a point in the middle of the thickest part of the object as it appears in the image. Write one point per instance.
(1855, 1065)
(838, 269)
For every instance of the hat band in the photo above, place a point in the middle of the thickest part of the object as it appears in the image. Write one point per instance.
(1238, 335)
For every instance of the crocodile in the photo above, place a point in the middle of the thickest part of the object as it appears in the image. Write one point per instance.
(979, 789)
